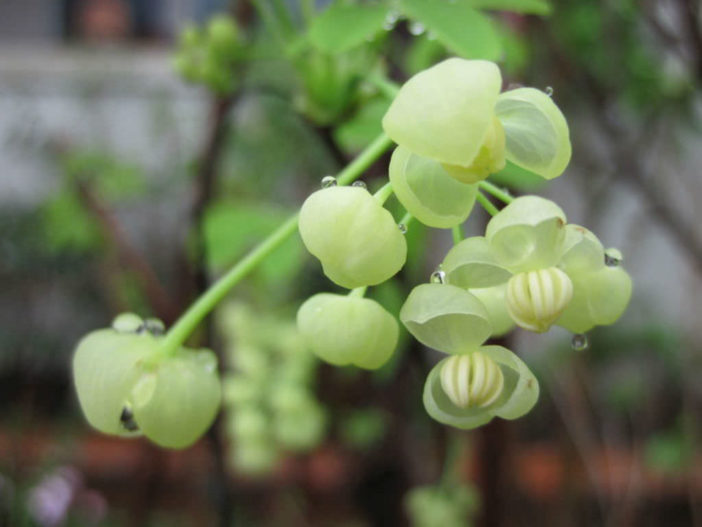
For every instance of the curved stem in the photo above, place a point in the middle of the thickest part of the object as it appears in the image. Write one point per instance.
(496, 191)
(487, 204)
(383, 193)
(187, 323)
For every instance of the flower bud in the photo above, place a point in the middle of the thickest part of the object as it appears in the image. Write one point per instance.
(535, 299)
(353, 236)
(345, 330)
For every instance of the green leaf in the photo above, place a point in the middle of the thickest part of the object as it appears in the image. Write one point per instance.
(342, 27)
(457, 25)
(531, 7)
(354, 134)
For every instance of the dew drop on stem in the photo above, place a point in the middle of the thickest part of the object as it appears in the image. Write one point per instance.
(328, 181)
(416, 28)
(549, 91)
(402, 227)
(359, 184)
(579, 342)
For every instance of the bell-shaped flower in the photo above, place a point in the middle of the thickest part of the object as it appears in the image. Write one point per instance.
(126, 386)
(477, 382)
(454, 113)
(356, 240)
(348, 330)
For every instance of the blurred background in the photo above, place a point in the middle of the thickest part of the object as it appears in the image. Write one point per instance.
(125, 188)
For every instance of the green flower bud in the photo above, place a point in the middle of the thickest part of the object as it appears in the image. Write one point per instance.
(535, 299)
(353, 236)
(518, 393)
(254, 457)
(223, 36)
(241, 390)
(446, 112)
(301, 429)
(537, 136)
(495, 301)
(346, 330)
(527, 235)
(582, 251)
(175, 400)
(470, 264)
(471, 380)
(248, 424)
(490, 158)
(446, 318)
(427, 191)
(126, 386)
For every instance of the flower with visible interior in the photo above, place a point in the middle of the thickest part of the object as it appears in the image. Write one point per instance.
(477, 382)
(548, 272)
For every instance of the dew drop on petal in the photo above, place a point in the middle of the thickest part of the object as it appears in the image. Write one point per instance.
(154, 326)
(328, 181)
(549, 91)
(390, 20)
(438, 277)
(416, 28)
(579, 342)
(359, 184)
(612, 258)
(402, 227)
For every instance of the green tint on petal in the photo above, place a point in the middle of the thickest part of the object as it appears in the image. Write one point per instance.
(446, 318)
(528, 234)
(493, 298)
(353, 236)
(521, 387)
(427, 191)
(470, 264)
(345, 330)
(599, 299)
(176, 400)
(445, 112)
(104, 372)
(582, 251)
(537, 136)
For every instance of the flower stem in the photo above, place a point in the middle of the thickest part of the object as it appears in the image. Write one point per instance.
(487, 204)
(383, 193)
(457, 234)
(496, 191)
(197, 311)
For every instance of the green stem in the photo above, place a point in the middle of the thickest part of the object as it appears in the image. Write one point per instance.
(496, 191)
(457, 234)
(383, 193)
(487, 204)
(406, 219)
(386, 86)
(359, 292)
(189, 320)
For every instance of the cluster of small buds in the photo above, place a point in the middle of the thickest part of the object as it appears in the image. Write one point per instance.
(453, 129)
(209, 55)
(128, 386)
(268, 394)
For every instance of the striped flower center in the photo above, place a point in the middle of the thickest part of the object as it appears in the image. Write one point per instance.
(535, 299)
(472, 380)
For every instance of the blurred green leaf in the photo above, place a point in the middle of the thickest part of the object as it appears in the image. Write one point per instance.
(669, 452)
(232, 229)
(532, 7)
(67, 225)
(112, 178)
(423, 52)
(354, 134)
(344, 26)
(457, 25)
(363, 428)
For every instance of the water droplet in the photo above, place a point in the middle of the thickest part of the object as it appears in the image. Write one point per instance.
(154, 326)
(402, 227)
(390, 20)
(579, 342)
(359, 184)
(126, 418)
(328, 181)
(613, 257)
(438, 277)
(416, 28)
(549, 91)
(127, 323)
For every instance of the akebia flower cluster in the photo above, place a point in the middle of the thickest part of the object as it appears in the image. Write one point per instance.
(128, 386)
(453, 129)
